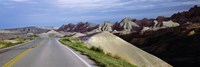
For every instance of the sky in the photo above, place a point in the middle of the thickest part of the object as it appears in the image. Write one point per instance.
(23, 13)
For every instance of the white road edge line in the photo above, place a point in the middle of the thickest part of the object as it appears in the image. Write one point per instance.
(88, 65)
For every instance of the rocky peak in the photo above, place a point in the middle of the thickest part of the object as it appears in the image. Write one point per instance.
(79, 27)
(106, 26)
(67, 28)
(84, 27)
(116, 26)
(145, 22)
(128, 25)
(160, 19)
(193, 15)
(164, 24)
(126, 20)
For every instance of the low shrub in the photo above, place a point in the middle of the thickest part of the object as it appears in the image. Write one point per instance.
(96, 54)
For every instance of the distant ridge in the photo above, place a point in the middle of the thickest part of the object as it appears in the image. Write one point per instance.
(134, 25)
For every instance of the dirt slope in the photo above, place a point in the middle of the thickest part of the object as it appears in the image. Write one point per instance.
(126, 51)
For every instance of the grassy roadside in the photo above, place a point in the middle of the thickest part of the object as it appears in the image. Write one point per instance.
(19, 40)
(95, 53)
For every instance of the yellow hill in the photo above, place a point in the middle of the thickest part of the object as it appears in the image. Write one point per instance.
(117, 47)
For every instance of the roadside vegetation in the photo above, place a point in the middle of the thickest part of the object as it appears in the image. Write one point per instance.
(14, 41)
(95, 54)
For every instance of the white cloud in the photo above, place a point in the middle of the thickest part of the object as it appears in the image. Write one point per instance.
(136, 7)
(86, 10)
(195, 2)
(117, 16)
(19, 0)
(116, 5)
(86, 4)
(102, 5)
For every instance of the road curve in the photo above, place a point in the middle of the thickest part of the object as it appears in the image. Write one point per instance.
(50, 53)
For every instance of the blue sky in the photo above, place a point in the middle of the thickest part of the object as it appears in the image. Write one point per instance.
(22, 13)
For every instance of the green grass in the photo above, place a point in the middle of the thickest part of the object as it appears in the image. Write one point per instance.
(96, 54)
(20, 41)
(9, 44)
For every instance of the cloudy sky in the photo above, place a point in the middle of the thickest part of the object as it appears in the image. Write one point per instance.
(21, 13)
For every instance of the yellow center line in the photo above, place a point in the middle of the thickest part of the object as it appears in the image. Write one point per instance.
(20, 56)
(17, 58)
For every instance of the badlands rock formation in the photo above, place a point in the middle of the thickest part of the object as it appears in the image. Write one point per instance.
(25, 30)
(67, 28)
(165, 24)
(80, 27)
(21, 32)
(128, 25)
(51, 33)
(106, 26)
(193, 15)
(118, 47)
(179, 46)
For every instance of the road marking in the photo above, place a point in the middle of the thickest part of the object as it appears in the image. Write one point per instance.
(21, 55)
(39, 43)
(88, 65)
(17, 58)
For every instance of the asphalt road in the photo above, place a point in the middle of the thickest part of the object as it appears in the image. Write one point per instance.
(9, 53)
(49, 53)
